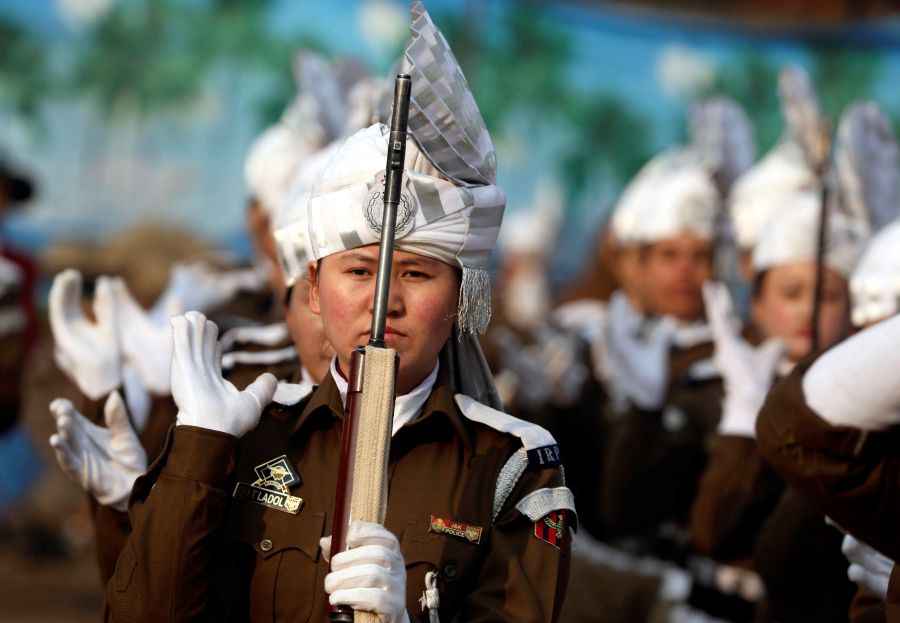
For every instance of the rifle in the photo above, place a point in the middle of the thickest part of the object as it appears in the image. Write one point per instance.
(813, 132)
(365, 440)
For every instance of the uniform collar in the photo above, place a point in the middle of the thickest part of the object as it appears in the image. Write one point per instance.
(439, 405)
(407, 407)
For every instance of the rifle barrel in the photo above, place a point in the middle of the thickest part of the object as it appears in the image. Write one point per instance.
(393, 180)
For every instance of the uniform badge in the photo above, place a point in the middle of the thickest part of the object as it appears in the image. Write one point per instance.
(552, 529)
(373, 209)
(456, 528)
(271, 488)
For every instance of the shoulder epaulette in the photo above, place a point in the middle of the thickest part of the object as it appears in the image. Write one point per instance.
(539, 449)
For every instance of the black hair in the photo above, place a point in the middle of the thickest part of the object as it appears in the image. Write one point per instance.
(758, 283)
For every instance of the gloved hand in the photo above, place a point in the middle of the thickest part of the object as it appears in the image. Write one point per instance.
(371, 575)
(104, 461)
(198, 287)
(87, 352)
(868, 567)
(146, 339)
(637, 365)
(203, 397)
(747, 372)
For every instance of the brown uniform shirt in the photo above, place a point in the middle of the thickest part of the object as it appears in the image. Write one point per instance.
(197, 553)
(849, 474)
(654, 459)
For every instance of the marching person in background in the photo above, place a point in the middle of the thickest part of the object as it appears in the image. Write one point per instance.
(827, 428)
(739, 492)
(468, 527)
(742, 501)
(660, 400)
(664, 391)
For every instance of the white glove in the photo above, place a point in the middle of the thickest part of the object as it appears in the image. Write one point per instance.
(104, 461)
(853, 383)
(198, 287)
(203, 397)
(637, 365)
(868, 567)
(87, 352)
(146, 339)
(747, 372)
(371, 575)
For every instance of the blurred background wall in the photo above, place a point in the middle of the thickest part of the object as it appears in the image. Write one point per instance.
(142, 111)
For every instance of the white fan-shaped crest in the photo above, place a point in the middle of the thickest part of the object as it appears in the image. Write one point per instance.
(443, 115)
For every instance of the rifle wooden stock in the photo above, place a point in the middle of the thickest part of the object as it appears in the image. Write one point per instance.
(362, 488)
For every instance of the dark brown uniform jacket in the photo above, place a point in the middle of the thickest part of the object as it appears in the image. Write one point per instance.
(849, 474)
(197, 554)
(654, 459)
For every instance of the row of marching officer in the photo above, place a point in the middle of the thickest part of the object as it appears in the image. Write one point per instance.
(716, 278)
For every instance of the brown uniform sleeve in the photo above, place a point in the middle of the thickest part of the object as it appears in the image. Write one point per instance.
(112, 527)
(849, 474)
(523, 577)
(737, 492)
(166, 569)
(866, 608)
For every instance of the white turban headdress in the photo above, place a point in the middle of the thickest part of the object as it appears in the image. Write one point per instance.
(450, 208)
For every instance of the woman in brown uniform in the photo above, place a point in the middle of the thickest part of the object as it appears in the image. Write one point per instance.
(227, 522)
(740, 496)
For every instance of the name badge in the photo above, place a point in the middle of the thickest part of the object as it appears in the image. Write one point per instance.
(272, 486)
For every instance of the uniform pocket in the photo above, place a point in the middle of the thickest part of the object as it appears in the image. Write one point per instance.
(455, 559)
(284, 580)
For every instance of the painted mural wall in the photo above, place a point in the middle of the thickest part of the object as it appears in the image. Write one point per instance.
(137, 111)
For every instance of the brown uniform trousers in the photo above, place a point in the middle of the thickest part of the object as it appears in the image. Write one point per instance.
(846, 473)
(198, 554)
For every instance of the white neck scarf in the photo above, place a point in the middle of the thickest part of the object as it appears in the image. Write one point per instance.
(406, 407)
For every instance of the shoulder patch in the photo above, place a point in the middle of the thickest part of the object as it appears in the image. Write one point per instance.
(542, 502)
(553, 528)
(532, 436)
(542, 458)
